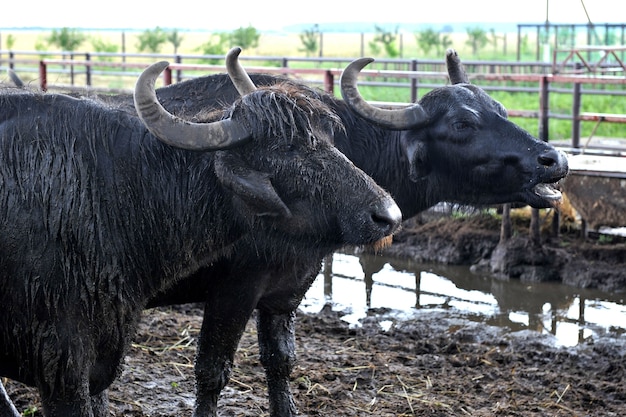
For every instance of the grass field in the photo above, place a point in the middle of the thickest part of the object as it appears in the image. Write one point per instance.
(350, 45)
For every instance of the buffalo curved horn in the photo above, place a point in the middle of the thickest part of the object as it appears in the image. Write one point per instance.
(15, 78)
(402, 119)
(174, 131)
(456, 70)
(237, 74)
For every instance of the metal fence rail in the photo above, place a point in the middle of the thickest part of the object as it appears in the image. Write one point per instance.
(115, 72)
(84, 66)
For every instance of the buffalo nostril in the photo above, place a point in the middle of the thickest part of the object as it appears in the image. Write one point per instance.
(387, 218)
(550, 158)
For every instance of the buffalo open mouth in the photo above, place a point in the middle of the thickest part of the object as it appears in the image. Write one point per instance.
(548, 192)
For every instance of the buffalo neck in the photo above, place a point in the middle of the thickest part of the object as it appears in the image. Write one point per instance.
(187, 217)
(380, 154)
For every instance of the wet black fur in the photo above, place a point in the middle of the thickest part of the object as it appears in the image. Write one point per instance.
(98, 215)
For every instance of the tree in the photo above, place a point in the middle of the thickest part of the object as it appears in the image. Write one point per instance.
(477, 38)
(66, 39)
(40, 46)
(151, 40)
(388, 41)
(493, 39)
(309, 39)
(10, 41)
(175, 39)
(216, 45)
(524, 48)
(100, 45)
(245, 37)
(427, 39)
(445, 43)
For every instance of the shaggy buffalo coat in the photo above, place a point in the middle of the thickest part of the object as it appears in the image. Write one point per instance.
(97, 216)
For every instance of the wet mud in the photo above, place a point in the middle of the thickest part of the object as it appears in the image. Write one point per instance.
(438, 363)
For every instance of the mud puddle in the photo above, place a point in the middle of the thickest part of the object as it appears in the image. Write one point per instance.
(402, 290)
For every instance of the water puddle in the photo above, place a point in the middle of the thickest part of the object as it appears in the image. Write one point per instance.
(355, 284)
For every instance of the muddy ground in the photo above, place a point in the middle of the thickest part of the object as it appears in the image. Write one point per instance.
(437, 365)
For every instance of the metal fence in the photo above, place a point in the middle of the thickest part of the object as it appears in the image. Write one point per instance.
(115, 72)
(82, 68)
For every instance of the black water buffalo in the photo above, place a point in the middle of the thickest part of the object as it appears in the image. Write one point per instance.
(101, 209)
(462, 149)
(455, 145)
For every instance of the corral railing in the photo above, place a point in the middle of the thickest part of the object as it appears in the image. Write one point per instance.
(112, 72)
(84, 67)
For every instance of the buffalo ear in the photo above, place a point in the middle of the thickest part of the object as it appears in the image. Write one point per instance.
(253, 187)
(417, 155)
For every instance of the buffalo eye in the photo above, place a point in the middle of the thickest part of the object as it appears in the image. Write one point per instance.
(461, 126)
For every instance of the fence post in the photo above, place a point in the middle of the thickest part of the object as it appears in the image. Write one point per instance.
(505, 226)
(11, 58)
(179, 72)
(576, 100)
(43, 80)
(88, 69)
(329, 82)
(544, 107)
(544, 110)
(167, 76)
(414, 82)
(285, 64)
(72, 68)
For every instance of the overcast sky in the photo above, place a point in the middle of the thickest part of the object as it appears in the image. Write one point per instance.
(275, 14)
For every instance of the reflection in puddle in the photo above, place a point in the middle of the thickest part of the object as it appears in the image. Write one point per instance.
(358, 283)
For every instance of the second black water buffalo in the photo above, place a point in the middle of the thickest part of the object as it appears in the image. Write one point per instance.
(101, 209)
(455, 145)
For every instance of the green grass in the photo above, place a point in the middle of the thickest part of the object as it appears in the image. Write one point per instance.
(561, 103)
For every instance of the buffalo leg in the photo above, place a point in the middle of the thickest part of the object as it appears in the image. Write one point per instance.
(222, 327)
(7, 409)
(77, 406)
(277, 345)
(100, 404)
